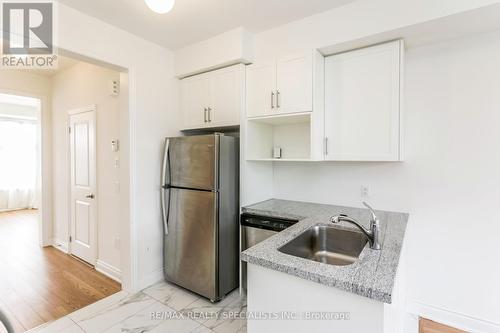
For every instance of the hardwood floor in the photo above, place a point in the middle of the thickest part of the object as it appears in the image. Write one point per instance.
(429, 326)
(38, 285)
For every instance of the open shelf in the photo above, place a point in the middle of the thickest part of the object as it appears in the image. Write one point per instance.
(290, 132)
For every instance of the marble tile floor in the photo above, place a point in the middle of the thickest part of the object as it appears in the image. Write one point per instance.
(161, 308)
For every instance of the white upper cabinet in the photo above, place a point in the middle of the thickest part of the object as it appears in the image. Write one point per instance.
(362, 104)
(281, 86)
(213, 99)
(294, 84)
(195, 98)
(227, 89)
(260, 89)
(345, 107)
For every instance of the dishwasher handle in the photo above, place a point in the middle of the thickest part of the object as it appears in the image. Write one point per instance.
(267, 223)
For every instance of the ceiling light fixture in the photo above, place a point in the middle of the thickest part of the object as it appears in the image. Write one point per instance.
(160, 6)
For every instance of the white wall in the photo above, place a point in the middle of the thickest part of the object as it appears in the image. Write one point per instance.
(449, 181)
(23, 81)
(356, 21)
(152, 115)
(79, 86)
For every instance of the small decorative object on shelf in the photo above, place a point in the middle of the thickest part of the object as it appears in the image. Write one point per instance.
(276, 152)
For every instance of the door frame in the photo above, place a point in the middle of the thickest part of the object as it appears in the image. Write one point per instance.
(129, 250)
(88, 108)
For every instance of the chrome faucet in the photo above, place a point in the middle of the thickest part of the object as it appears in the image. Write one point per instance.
(373, 234)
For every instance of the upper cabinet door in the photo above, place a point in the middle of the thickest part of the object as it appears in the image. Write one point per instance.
(227, 96)
(362, 104)
(295, 84)
(195, 98)
(261, 89)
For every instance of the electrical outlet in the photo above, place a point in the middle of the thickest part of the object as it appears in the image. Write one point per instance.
(365, 191)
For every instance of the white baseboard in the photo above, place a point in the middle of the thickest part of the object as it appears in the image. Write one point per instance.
(452, 319)
(60, 245)
(151, 278)
(109, 270)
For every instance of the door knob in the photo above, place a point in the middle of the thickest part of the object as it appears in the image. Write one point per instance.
(90, 196)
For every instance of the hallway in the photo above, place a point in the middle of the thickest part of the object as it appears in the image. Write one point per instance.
(38, 285)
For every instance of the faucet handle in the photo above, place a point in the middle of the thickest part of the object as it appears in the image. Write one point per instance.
(337, 218)
(372, 211)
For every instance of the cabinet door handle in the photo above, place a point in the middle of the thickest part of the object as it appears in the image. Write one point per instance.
(272, 100)
(277, 98)
(326, 146)
(205, 114)
(209, 115)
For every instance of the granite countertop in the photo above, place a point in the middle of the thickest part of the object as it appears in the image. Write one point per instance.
(371, 276)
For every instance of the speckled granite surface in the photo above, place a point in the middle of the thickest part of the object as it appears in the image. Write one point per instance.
(371, 276)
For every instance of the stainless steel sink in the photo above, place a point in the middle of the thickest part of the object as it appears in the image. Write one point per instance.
(327, 245)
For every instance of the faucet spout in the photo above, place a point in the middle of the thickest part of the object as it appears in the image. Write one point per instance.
(345, 218)
(373, 234)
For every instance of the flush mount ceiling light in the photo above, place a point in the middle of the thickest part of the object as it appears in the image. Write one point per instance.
(160, 6)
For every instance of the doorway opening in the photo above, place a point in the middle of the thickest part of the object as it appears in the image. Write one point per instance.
(19, 152)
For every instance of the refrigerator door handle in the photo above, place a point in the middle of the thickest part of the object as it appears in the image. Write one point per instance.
(164, 186)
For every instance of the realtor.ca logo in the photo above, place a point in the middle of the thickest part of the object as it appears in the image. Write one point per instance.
(28, 35)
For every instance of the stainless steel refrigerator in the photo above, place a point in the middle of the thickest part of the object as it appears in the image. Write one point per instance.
(200, 204)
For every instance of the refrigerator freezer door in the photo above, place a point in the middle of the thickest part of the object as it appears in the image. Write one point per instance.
(191, 245)
(193, 162)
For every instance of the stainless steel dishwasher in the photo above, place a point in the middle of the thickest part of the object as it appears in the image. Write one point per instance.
(255, 229)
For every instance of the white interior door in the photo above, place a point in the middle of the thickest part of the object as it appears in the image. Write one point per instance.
(83, 184)
(295, 84)
(261, 89)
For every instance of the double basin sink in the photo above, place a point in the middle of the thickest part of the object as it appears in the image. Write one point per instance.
(327, 245)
